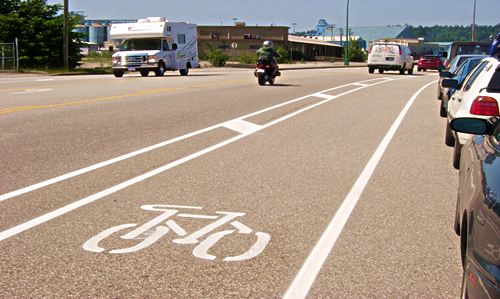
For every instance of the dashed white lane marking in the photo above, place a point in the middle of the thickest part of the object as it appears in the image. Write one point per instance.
(307, 274)
(244, 127)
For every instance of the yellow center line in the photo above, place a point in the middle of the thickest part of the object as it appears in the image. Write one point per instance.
(25, 108)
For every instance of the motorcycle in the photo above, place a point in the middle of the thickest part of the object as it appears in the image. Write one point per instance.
(264, 71)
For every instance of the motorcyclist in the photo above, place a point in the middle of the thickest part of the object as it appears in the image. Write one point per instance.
(268, 51)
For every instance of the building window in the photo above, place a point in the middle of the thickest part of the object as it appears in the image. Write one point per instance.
(223, 47)
(181, 38)
(204, 32)
(216, 34)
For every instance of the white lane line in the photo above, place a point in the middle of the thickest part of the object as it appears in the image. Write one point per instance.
(307, 274)
(61, 211)
(147, 149)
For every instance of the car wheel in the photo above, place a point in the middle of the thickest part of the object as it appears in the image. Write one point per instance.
(442, 110)
(449, 138)
(419, 69)
(456, 225)
(371, 70)
(160, 70)
(402, 70)
(144, 73)
(118, 74)
(380, 71)
(184, 72)
(410, 70)
(425, 70)
(457, 149)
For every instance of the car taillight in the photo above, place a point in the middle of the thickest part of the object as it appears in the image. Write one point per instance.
(400, 52)
(369, 51)
(484, 106)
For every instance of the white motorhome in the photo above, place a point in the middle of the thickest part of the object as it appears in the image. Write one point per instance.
(154, 44)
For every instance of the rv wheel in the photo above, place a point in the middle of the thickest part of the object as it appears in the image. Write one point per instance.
(160, 71)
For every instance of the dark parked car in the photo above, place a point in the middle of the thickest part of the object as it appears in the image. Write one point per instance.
(459, 74)
(429, 62)
(477, 218)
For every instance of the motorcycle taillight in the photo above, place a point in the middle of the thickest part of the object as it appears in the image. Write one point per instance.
(261, 65)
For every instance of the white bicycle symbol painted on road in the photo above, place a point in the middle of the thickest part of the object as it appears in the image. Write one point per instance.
(152, 231)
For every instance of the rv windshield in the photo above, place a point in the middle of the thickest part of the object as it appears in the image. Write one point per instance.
(141, 44)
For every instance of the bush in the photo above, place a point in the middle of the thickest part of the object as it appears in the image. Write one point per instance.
(216, 58)
(248, 59)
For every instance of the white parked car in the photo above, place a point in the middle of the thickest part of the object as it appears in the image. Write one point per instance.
(390, 56)
(477, 96)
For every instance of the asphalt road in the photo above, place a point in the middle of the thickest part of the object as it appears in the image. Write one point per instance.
(331, 183)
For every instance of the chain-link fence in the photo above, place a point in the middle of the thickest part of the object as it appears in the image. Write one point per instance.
(9, 59)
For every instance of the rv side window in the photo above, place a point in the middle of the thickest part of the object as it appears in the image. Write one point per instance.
(169, 28)
(181, 38)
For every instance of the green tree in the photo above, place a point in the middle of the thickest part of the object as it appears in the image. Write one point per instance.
(39, 31)
(356, 53)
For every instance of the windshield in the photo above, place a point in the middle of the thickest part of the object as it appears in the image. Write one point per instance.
(141, 44)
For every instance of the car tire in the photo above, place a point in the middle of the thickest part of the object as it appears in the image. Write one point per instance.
(160, 70)
(457, 149)
(371, 70)
(410, 70)
(184, 72)
(380, 71)
(144, 73)
(442, 110)
(456, 225)
(402, 70)
(449, 137)
(419, 69)
(118, 74)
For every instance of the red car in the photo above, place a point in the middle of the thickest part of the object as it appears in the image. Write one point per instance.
(429, 62)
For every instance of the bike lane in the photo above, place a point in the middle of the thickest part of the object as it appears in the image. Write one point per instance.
(278, 181)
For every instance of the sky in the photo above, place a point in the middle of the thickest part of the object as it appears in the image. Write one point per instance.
(305, 14)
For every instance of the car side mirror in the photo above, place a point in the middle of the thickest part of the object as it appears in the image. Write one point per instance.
(174, 46)
(445, 74)
(476, 126)
(440, 67)
(449, 83)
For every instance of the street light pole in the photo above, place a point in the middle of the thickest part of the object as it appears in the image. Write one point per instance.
(65, 36)
(294, 27)
(474, 20)
(346, 56)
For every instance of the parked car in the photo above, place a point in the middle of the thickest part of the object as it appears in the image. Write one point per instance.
(429, 62)
(459, 59)
(477, 96)
(477, 217)
(459, 75)
(390, 56)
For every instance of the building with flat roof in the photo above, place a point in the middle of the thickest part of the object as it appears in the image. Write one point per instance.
(248, 39)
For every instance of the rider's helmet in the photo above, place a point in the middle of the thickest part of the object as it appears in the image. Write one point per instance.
(268, 43)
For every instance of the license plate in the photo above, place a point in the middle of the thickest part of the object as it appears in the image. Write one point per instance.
(261, 71)
(131, 68)
(389, 58)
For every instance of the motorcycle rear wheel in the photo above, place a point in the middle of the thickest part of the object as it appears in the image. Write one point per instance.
(261, 80)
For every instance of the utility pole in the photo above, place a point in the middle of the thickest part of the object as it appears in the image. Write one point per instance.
(66, 36)
(346, 57)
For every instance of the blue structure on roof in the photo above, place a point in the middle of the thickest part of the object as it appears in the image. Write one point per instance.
(320, 28)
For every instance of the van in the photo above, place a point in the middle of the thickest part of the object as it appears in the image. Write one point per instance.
(390, 56)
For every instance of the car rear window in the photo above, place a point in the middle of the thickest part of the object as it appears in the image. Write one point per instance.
(494, 84)
(391, 49)
(431, 57)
